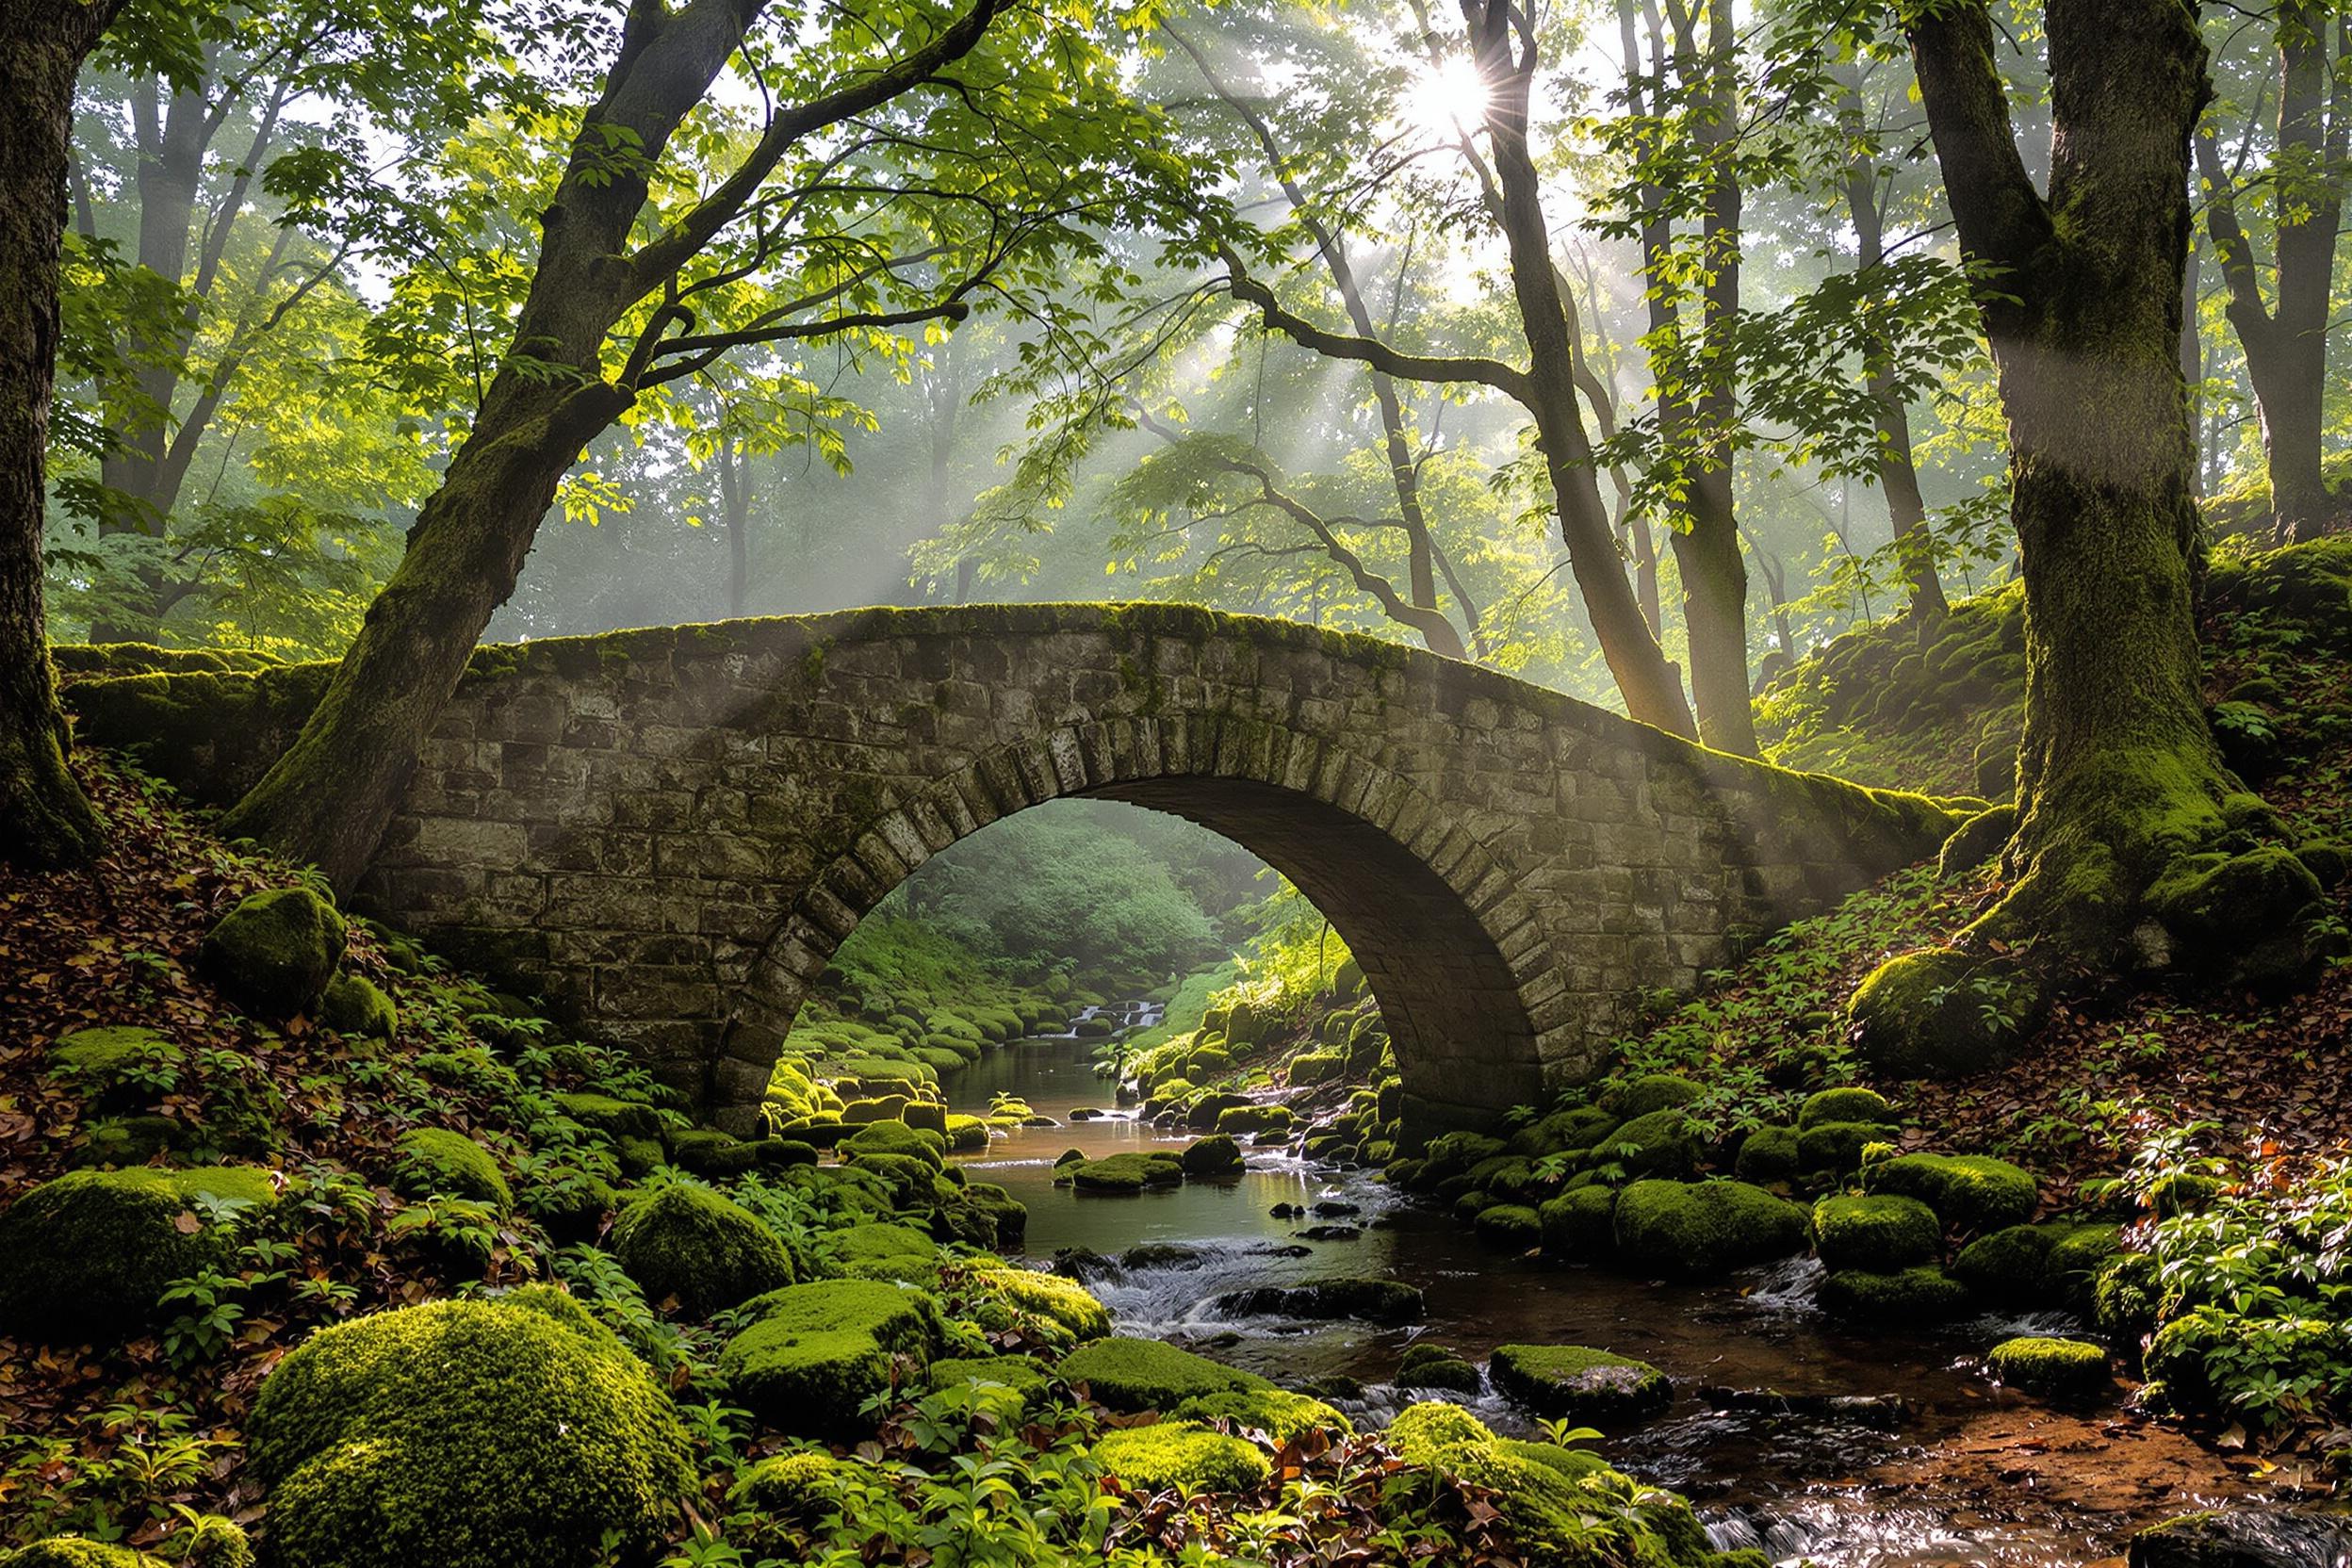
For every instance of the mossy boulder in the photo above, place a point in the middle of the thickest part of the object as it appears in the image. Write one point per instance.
(788, 1484)
(1024, 1374)
(614, 1116)
(2239, 920)
(879, 1251)
(1658, 1143)
(1067, 1306)
(354, 1005)
(2078, 1258)
(898, 1139)
(966, 1134)
(689, 1242)
(1580, 1384)
(79, 1551)
(1977, 840)
(1245, 1120)
(1130, 1375)
(84, 1258)
(2054, 1368)
(117, 1065)
(1182, 1454)
(1124, 1173)
(1581, 1225)
(1212, 1157)
(1580, 1127)
(1849, 1104)
(2127, 1298)
(2009, 1267)
(1428, 1365)
(1767, 1155)
(1837, 1147)
(1655, 1092)
(1881, 1233)
(1568, 1501)
(1923, 1295)
(1702, 1229)
(816, 1353)
(509, 1433)
(273, 955)
(1282, 1415)
(434, 1161)
(1968, 1192)
(1317, 1066)
(1514, 1226)
(1935, 1013)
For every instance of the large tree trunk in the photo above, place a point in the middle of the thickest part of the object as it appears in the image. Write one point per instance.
(1650, 687)
(2286, 343)
(2118, 775)
(1714, 574)
(44, 820)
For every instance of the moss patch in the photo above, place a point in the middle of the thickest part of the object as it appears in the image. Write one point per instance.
(690, 1243)
(818, 1352)
(1580, 1383)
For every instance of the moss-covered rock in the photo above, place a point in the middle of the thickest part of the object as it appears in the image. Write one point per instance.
(1428, 1365)
(1923, 1295)
(117, 1065)
(1131, 1375)
(1180, 1454)
(1882, 1234)
(2054, 1368)
(1851, 1103)
(2239, 919)
(1968, 1192)
(614, 1116)
(1282, 1415)
(1580, 1127)
(896, 1138)
(2078, 1258)
(2127, 1298)
(1934, 1013)
(966, 1134)
(1066, 1304)
(1567, 1504)
(1125, 1173)
(1702, 1229)
(817, 1352)
(1767, 1155)
(1977, 840)
(434, 1161)
(77, 1551)
(1580, 1384)
(792, 1485)
(1581, 1225)
(273, 952)
(687, 1242)
(1658, 1143)
(1247, 1120)
(1024, 1374)
(1656, 1091)
(2010, 1268)
(508, 1433)
(1510, 1225)
(1837, 1147)
(354, 1005)
(84, 1258)
(1213, 1157)
(878, 1251)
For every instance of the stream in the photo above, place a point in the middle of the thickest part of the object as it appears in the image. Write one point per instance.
(1969, 1474)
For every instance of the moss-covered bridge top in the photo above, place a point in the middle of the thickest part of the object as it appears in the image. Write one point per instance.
(667, 831)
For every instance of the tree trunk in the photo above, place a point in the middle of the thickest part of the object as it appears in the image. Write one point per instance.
(1898, 476)
(2286, 343)
(1652, 689)
(44, 820)
(2118, 775)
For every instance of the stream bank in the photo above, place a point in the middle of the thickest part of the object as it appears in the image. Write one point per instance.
(1967, 1473)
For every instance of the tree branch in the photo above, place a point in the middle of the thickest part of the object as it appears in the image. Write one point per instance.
(1466, 371)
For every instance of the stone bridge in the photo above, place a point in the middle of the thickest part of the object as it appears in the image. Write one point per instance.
(667, 833)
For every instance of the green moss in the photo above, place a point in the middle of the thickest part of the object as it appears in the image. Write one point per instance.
(1939, 1013)
(1923, 1295)
(2055, 1368)
(687, 1242)
(508, 1433)
(117, 1063)
(1837, 1147)
(1699, 1230)
(1317, 1066)
(1246, 1120)
(1767, 1155)
(1844, 1104)
(1976, 840)
(2010, 1268)
(273, 955)
(1881, 1233)
(75, 1551)
(1579, 1225)
(966, 1134)
(788, 1484)
(818, 1352)
(2126, 1300)
(619, 1119)
(1148, 1374)
(1657, 1144)
(1125, 1173)
(1278, 1414)
(855, 1247)
(1658, 1091)
(1581, 1384)
(83, 1258)
(1023, 1375)
(1968, 1192)
(1182, 1454)
(2239, 919)
(434, 1161)
(1430, 1366)
(356, 1005)
(1576, 1511)
(1065, 1303)
(1580, 1128)
(1512, 1225)
(2078, 1258)
(1216, 1155)
(896, 1138)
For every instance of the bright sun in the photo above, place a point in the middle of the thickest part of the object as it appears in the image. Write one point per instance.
(1446, 98)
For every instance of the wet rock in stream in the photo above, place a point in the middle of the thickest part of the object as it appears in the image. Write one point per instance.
(1881, 1411)
(2245, 1538)
(1374, 1301)
(1328, 1232)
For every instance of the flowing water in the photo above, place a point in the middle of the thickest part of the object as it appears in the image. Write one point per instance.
(1959, 1472)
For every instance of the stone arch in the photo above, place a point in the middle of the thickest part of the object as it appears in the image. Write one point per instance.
(1452, 950)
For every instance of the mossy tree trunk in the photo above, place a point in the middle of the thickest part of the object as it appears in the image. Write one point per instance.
(2118, 775)
(328, 799)
(44, 820)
